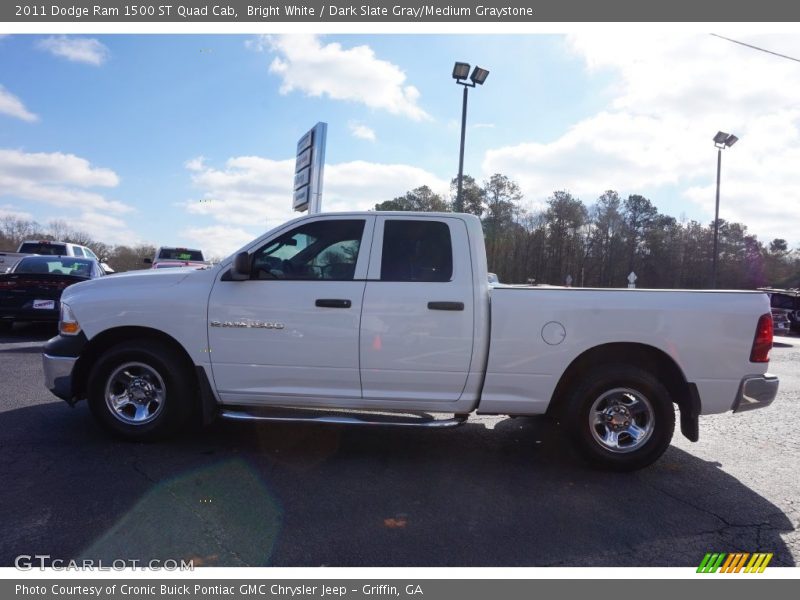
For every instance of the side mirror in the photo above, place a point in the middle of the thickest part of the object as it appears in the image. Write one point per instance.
(147, 261)
(241, 267)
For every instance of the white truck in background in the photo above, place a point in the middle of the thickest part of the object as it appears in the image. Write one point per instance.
(390, 319)
(48, 248)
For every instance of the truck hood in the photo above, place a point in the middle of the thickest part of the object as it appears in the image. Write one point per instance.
(134, 284)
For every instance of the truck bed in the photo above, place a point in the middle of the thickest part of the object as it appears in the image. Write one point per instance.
(536, 331)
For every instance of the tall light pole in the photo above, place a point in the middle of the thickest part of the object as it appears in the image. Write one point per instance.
(460, 72)
(721, 141)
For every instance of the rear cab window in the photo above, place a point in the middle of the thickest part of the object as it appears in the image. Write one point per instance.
(45, 248)
(184, 254)
(416, 251)
(79, 267)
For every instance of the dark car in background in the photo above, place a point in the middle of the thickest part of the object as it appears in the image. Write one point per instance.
(786, 302)
(32, 290)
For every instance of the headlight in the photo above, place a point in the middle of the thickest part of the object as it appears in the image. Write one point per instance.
(68, 324)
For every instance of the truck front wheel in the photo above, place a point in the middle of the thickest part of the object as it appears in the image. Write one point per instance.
(140, 391)
(621, 417)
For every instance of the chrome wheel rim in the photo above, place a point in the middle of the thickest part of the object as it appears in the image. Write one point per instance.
(135, 393)
(621, 420)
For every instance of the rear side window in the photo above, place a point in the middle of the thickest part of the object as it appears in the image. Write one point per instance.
(43, 248)
(180, 254)
(416, 251)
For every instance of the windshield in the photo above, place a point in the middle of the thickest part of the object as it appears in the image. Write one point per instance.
(43, 248)
(78, 267)
(180, 254)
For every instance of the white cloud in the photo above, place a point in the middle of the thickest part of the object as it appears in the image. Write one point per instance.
(195, 164)
(669, 96)
(76, 49)
(217, 241)
(12, 106)
(250, 194)
(66, 181)
(103, 227)
(54, 167)
(8, 210)
(354, 74)
(361, 131)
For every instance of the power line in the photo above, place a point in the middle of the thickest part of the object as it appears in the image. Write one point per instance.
(757, 48)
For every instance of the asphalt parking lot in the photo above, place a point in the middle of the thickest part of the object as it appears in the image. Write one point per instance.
(495, 492)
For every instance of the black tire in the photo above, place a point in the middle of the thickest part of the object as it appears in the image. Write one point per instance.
(6, 326)
(165, 416)
(638, 398)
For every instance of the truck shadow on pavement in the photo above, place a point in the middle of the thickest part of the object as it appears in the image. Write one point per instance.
(240, 494)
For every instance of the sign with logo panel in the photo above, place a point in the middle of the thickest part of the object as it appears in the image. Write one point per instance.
(308, 169)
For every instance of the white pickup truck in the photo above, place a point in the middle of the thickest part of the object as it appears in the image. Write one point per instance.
(389, 319)
(48, 248)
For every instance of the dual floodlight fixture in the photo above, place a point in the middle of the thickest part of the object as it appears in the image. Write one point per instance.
(721, 141)
(461, 72)
(478, 77)
(724, 140)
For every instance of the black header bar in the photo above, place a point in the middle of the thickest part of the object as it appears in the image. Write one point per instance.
(408, 11)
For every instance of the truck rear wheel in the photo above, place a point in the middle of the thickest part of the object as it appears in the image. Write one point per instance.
(140, 391)
(621, 417)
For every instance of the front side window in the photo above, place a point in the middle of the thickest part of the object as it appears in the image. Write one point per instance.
(76, 250)
(416, 251)
(323, 250)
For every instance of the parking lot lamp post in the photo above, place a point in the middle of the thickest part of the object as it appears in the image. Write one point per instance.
(478, 77)
(721, 141)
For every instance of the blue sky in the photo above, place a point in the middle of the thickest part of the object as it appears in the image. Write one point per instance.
(189, 139)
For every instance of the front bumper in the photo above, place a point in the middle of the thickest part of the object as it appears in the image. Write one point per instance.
(58, 375)
(756, 391)
(58, 359)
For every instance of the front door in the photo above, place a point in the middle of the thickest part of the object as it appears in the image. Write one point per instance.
(289, 334)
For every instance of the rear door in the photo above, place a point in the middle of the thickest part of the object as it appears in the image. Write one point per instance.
(417, 319)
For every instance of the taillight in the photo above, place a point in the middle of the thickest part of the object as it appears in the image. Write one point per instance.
(762, 342)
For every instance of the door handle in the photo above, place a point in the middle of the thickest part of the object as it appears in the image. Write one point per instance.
(333, 303)
(446, 305)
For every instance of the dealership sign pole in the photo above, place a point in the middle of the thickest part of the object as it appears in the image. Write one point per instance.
(308, 168)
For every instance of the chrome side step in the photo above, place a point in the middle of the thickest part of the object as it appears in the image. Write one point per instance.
(360, 418)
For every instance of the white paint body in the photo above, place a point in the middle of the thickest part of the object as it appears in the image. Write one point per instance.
(503, 354)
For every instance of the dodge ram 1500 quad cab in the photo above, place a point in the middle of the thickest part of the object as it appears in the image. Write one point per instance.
(390, 319)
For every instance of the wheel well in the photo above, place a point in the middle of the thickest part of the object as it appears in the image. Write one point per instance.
(105, 340)
(643, 356)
